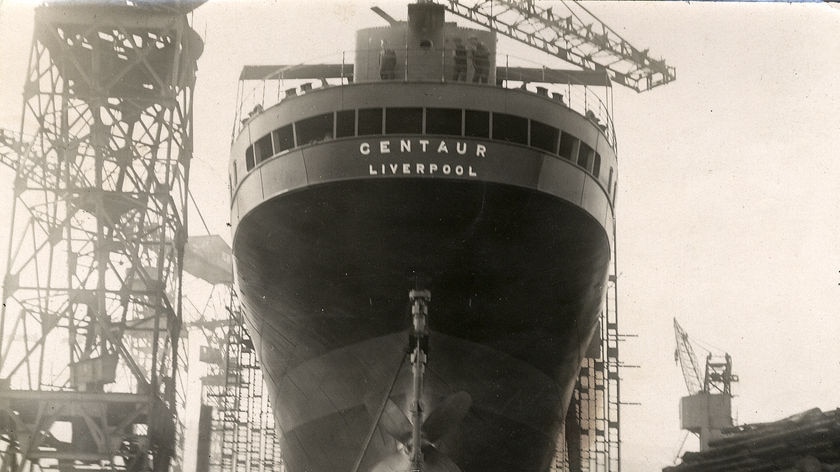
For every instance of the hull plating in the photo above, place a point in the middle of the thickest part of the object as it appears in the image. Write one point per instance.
(517, 280)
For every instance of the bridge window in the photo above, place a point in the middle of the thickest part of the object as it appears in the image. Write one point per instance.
(345, 123)
(370, 121)
(443, 121)
(544, 136)
(477, 124)
(596, 165)
(510, 128)
(316, 129)
(249, 157)
(567, 145)
(403, 120)
(284, 138)
(263, 149)
(585, 156)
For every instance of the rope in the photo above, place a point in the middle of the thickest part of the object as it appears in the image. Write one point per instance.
(378, 416)
(197, 209)
(680, 449)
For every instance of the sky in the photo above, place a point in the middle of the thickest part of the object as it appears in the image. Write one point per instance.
(729, 179)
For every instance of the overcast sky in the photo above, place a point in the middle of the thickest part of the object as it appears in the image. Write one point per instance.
(729, 179)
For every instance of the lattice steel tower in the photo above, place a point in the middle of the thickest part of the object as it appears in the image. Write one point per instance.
(90, 326)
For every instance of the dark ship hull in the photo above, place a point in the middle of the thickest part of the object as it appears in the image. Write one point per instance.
(516, 280)
(497, 201)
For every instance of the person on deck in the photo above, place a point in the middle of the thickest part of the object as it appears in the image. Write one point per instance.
(459, 55)
(387, 61)
(481, 61)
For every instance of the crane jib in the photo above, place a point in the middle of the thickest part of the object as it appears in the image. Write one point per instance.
(571, 33)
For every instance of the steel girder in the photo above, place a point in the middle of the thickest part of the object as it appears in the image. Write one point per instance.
(92, 291)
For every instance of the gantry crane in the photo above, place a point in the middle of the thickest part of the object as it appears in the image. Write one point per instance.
(708, 407)
(91, 315)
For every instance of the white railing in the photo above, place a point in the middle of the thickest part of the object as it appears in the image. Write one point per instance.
(591, 102)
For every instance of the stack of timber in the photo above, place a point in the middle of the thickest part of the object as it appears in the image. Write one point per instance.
(807, 442)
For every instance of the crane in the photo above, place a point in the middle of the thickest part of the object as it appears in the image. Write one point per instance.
(684, 354)
(96, 240)
(716, 377)
(569, 31)
(707, 409)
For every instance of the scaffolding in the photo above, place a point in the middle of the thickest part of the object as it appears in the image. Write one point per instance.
(592, 439)
(248, 418)
(91, 320)
(240, 421)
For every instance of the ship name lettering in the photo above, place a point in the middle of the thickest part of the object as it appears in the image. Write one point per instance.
(386, 146)
(407, 168)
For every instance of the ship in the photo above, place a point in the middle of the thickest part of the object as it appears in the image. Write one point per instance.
(422, 254)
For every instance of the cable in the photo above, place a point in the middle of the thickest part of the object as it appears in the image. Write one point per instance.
(709, 347)
(192, 198)
(677, 456)
(379, 415)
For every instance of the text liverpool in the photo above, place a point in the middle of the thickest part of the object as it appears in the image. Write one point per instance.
(442, 148)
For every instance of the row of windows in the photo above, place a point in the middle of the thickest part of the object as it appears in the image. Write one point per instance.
(434, 121)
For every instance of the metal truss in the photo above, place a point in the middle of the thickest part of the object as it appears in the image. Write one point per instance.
(569, 32)
(91, 320)
(684, 353)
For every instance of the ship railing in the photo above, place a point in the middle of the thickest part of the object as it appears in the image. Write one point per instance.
(586, 93)
(589, 94)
